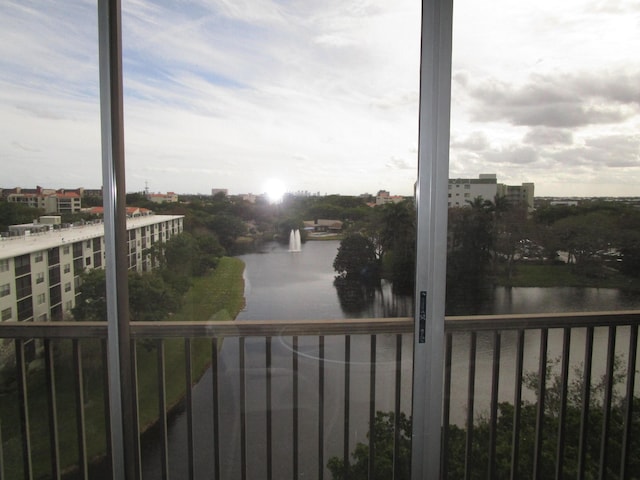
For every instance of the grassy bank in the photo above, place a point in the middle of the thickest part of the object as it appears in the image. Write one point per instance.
(217, 296)
(565, 276)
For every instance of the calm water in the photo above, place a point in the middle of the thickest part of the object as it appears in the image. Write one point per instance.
(284, 285)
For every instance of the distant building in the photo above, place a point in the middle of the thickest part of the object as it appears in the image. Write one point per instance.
(383, 197)
(248, 197)
(216, 191)
(51, 201)
(518, 194)
(169, 197)
(323, 226)
(40, 273)
(132, 212)
(465, 190)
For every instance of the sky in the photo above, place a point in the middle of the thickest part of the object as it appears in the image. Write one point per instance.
(322, 96)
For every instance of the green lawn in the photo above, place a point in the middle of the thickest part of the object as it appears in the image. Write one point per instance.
(217, 296)
(529, 275)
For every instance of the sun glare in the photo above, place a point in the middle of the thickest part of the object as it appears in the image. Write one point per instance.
(275, 190)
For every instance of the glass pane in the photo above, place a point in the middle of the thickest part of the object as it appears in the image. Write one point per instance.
(547, 124)
(51, 178)
(288, 132)
(542, 220)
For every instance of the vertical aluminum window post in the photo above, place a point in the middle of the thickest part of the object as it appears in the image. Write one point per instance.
(431, 249)
(123, 432)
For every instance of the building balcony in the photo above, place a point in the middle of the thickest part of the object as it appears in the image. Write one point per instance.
(525, 396)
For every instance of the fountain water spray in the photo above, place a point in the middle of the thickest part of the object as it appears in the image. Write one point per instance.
(294, 241)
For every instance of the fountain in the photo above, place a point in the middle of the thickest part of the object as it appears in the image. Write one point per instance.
(294, 241)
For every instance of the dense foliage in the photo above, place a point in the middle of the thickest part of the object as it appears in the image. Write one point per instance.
(385, 437)
(15, 214)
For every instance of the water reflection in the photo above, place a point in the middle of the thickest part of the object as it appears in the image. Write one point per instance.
(283, 285)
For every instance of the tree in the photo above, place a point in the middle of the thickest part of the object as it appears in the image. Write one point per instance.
(16, 213)
(356, 259)
(227, 228)
(150, 297)
(91, 304)
(586, 237)
(384, 438)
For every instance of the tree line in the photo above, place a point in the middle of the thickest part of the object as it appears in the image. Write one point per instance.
(488, 239)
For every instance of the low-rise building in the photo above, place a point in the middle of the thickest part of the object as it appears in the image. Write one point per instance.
(169, 197)
(51, 201)
(320, 225)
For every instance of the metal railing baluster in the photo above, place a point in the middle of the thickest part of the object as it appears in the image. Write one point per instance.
(135, 409)
(243, 410)
(321, 407)
(470, 402)
(23, 396)
(372, 409)
(517, 408)
(606, 404)
(54, 441)
(216, 419)
(493, 419)
(542, 392)
(162, 409)
(295, 412)
(1, 454)
(562, 413)
(269, 410)
(107, 404)
(396, 413)
(628, 410)
(188, 381)
(347, 387)
(586, 399)
(446, 413)
(80, 414)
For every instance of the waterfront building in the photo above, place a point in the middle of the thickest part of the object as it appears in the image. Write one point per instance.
(40, 272)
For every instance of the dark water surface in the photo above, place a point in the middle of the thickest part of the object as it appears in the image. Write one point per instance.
(283, 285)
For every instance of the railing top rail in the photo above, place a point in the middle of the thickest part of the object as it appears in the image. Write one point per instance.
(274, 328)
(541, 320)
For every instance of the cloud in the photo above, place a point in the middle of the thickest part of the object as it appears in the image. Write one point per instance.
(513, 155)
(548, 136)
(477, 142)
(400, 164)
(604, 152)
(567, 100)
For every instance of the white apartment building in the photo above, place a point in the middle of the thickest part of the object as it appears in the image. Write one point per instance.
(463, 190)
(40, 273)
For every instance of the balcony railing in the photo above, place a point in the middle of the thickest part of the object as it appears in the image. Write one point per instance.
(526, 396)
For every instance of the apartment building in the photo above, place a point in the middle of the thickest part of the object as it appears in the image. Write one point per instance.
(464, 190)
(40, 273)
(58, 202)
